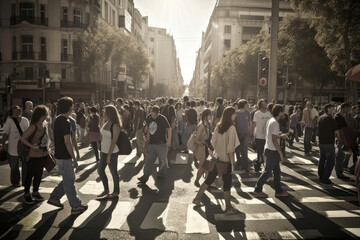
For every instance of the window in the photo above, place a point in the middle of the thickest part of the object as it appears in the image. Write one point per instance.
(27, 10)
(65, 14)
(76, 50)
(106, 12)
(29, 73)
(113, 17)
(43, 48)
(227, 44)
(77, 18)
(13, 10)
(27, 47)
(88, 18)
(64, 47)
(228, 29)
(42, 11)
(121, 21)
(227, 13)
(251, 17)
(63, 73)
(14, 54)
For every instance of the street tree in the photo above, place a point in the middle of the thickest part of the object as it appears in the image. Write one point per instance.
(337, 25)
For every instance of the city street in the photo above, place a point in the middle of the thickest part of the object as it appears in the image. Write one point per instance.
(162, 209)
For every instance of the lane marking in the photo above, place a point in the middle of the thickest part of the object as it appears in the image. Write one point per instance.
(156, 217)
(195, 223)
(119, 215)
(90, 213)
(239, 235)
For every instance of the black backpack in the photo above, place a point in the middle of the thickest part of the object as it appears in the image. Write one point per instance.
(122, 142)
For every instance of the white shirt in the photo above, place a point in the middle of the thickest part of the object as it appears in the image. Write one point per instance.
(106, 142)
(261, 119)
(14, 136)
(225, 143)
(272, 128)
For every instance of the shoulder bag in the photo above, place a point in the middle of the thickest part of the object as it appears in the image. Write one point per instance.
(22, 149)
(122, 142)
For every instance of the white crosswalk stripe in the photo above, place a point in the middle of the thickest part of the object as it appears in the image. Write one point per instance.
(239, 235)
(156, 217)
(119, 215)
(195, 223)
(85, 217)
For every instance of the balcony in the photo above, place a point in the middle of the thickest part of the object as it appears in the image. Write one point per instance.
(29, 56)
(32, 20)
(70, 24)
(66, 57)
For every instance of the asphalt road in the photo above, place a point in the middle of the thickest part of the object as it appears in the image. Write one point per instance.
(162, 209)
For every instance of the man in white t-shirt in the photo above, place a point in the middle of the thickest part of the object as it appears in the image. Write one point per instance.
(258, 132)
(273, 155)
(13, 135)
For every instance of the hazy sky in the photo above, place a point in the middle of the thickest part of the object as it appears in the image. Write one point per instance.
(185, 20)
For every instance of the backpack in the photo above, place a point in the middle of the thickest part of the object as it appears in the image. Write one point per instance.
(122, 142)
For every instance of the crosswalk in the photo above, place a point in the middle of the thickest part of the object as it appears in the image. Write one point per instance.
(210, 219)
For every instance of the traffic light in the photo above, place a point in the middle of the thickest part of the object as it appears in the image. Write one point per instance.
(289, 84)
(264, 66)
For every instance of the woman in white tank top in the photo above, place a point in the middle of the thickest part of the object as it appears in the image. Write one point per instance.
(109, 151)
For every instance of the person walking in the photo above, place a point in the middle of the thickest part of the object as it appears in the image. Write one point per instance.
(258, 133)
(203, 135)
(28, 111)
(110, 151)
(224, 141)
(94, 132)
(243, 126)
(138, 128)
(65, 160)
(13, 129)
(309, 118)
(328, 129)
(159, 138)
(294, 119)
(273, 155)
(36, 138)
(191, 123)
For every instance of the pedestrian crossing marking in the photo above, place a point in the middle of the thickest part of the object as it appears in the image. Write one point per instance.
(300, 234)
(52, 178)
(9, 206)
(342, 214)
(181, 159)
(119, 215)
(257, 216)
(353, 231)
(156, 217)
(301, 161)
(85, 217)
(195, 223)
(328, 199)
(120, 166)
(239, 235)
(253, 201)
(89, 167)
(38, 216)
(92, 187)
(256, 179)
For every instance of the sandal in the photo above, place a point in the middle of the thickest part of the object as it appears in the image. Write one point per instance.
(113, 195)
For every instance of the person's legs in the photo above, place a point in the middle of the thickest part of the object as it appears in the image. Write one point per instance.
(14, 169)
(259, 143)
(29, 175)
(59, 190)
(37, 173)
(322, 160)
(175, 138)
(269, 166)
(208, 181)
(139, 142)
(340, 155)
(149, 161)
(68, 183)
(244, 142)
(114, 172)
(161, 151)
(101, 171)
(277, 173)
(330, 161)
(95, 149)
(307, 138)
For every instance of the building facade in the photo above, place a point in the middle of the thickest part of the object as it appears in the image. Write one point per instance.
(39, 49)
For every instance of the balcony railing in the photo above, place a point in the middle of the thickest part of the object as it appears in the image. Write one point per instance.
(29, 56)
(71, 24)
(66, 57)
(32, 20)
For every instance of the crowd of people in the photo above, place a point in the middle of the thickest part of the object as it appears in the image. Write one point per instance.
(222, 133)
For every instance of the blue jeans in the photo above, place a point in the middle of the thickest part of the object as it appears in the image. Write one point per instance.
(14, 170)
(113, 170)
(307, 139)
(272, 165)
(294, 135)
(186, 134)
(326, 161)
(339, 161)
(243, 150)
(66, 186)
(154, 151)
(175, 137)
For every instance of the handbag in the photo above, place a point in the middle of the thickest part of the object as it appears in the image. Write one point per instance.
(209, 165)
(22, 149)
(49, 163)
(122, 142)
